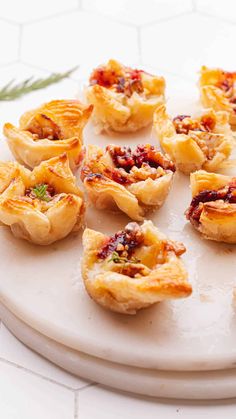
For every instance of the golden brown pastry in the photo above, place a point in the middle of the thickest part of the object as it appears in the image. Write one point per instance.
(134, 181)
(134, 268)
(48, 131)
(41, 206)
(124, 99)
(195, 143)
(218, 90)
(213, 207)
(10, 170)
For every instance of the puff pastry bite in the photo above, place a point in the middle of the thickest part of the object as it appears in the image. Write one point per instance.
(41, 206)
(134, 181)
(48, 131)
(203, 142)
(10, 170)
(213, 207)
(124, 99)
(218, 90)
(134, 268)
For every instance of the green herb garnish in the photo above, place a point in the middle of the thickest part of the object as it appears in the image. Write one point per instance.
(116, 258)
(40, 192)
(13, 90)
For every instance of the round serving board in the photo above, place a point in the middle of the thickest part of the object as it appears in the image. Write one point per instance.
(217, 384)
(43, 301)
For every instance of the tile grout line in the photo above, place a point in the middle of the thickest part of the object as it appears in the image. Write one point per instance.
(194, 6)
(20, 41)
(137, 25)
(86, 386)
(34, 66)
(139, 45)
(215, 17)
(166, 19)
(76, 405)
(9, 21)
(3, 65)
(36, 374)
(45, 18)
(107, 17)
(76, 398)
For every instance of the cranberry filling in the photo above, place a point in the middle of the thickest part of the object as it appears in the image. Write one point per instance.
(125, 158)
(103, 77)
(227, 194)
(118, 175)
(225, 85)
(129, 83)
(124, 242)
(233, 100)
(180, 118)
(227, 81)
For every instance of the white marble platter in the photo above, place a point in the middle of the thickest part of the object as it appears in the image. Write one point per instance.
(42, 288)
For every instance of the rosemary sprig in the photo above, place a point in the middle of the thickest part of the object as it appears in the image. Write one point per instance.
(13, 90)
(116, 258)
(40, 192)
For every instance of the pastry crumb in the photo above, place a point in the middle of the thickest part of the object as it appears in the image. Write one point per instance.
(205, 298)
(234, 297)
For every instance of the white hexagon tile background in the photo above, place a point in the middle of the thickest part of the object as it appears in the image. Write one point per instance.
(173, 37)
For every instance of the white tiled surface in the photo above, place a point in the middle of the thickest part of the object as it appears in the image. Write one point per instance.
(84, 38)
(18, 354)
(25, 11)
(186, 42)
(223, 9)
(171, 37)
(108, 404)
(24, 395)
(134, 11)
(9, 45)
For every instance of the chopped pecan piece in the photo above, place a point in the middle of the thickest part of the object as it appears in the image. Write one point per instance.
(184, 123)
(124, 242)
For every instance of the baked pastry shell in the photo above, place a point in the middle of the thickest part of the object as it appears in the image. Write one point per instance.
(123, 294)
(68, 117)
(184, 150)
(134, 200)
(218, 218)
(113, 111)
(26, 219)
(212, 96)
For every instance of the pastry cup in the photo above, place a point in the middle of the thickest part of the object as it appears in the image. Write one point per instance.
(218, 91)
(151, 270)
(30, 211)
(135, 190)
(206, 143)
(9, 171)
(124, 99)
(48, 131)
(213, 208)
